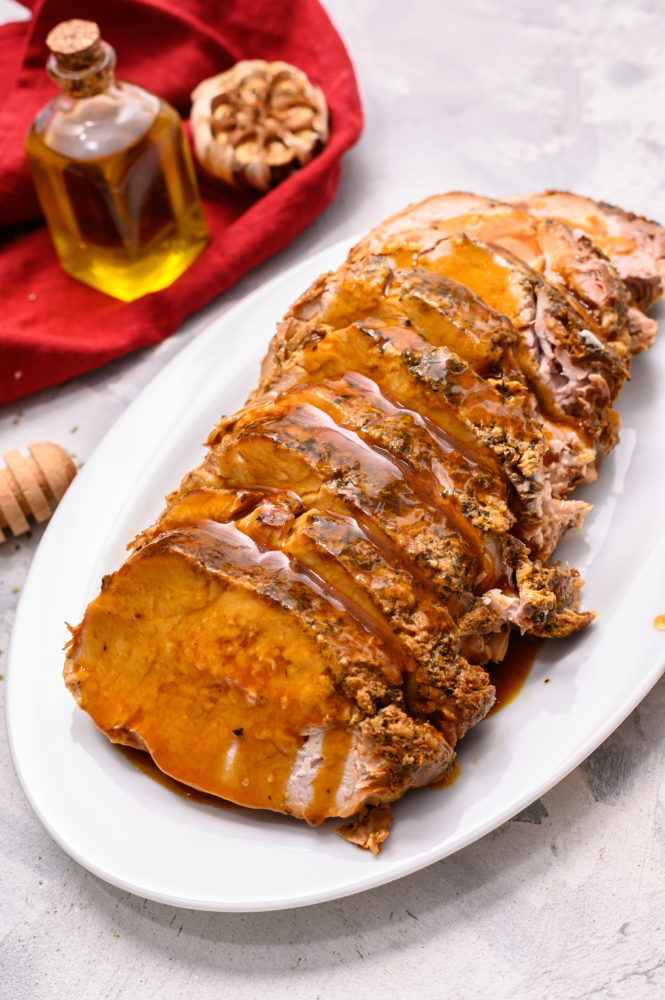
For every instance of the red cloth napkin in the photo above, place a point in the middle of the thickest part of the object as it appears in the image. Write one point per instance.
(53, 327)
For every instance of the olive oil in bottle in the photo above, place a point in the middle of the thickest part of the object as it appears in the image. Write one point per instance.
(113, 173)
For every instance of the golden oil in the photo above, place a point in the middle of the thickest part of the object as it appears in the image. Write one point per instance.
(113, 173)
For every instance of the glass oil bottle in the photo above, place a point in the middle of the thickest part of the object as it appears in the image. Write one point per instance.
(113, 173)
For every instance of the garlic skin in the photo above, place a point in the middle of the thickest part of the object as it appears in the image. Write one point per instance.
(258, 122)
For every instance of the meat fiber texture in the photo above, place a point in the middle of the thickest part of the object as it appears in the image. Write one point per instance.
(306, 628)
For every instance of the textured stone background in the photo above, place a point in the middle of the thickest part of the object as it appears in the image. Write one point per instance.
(566, 900)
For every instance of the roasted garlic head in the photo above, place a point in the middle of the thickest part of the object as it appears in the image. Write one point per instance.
(257, 122)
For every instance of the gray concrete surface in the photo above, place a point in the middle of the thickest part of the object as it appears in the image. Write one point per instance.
(567, 899)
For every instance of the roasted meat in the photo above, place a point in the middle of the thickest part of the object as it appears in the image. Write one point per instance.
(307, 626)
(635, 245)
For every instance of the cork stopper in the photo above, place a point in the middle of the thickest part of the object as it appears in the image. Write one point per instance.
(75, 44)
(80, 62)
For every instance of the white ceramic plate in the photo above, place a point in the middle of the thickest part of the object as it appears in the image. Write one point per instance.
(136, 834)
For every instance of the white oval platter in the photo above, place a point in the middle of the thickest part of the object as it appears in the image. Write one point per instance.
(136, 834)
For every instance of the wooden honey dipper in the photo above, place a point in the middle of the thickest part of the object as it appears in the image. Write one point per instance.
(31, 487)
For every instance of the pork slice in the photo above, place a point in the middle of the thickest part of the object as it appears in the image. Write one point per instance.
(635, 245)
(220, 659)
(579, 270)
(547, 601)
(440, 309)
(377, 762)
(457, 212)
(567, 259)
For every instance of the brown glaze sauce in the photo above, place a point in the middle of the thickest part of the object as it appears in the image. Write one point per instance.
(422, 479)
(260, 781)
(508, 677)
(249, 555)
(326, 783)
(336, 745)
(450, 777)
(386, 484)
(144, 763)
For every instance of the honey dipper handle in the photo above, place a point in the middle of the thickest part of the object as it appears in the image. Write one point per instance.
(31, 486)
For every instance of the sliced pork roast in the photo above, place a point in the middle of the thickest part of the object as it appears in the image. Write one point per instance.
(307, 625)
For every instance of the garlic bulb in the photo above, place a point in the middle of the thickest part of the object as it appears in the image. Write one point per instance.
(258, 122)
